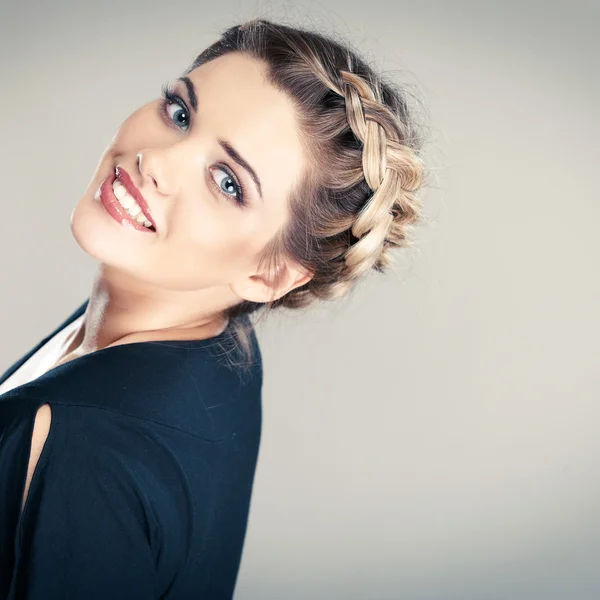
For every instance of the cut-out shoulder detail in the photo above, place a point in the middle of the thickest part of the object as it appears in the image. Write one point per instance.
(41, 428)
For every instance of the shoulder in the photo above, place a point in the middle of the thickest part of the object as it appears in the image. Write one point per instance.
(70, 446)
(85, 443)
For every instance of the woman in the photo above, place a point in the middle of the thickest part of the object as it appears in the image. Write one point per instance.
(280, 168)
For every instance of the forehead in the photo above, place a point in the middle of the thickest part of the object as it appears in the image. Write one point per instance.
(237, 103)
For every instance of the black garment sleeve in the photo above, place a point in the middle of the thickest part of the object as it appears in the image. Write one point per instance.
(86, 529)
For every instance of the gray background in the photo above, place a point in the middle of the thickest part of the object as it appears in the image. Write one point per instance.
(435, 436)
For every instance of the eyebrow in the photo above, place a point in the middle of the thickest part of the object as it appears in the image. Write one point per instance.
(229, 149)
(191, 90)
(234, 154)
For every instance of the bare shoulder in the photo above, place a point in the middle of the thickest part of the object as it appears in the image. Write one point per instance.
(41, 428)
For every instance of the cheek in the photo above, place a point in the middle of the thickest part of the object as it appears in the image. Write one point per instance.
(240, 236)
(218, 236)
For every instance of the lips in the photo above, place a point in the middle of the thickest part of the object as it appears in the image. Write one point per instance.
(115, 209)
(123, 176)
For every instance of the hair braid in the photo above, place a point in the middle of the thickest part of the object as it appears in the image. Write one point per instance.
(392, 171)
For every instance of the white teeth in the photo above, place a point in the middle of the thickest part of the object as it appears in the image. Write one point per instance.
(127, 201)
(119, 190)
(134, 210)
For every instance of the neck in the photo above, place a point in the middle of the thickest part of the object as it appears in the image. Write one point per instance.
(122, 310)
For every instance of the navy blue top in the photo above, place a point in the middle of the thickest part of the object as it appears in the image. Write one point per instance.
(143, 487)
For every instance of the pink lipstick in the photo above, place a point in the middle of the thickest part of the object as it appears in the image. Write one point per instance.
(113, 206)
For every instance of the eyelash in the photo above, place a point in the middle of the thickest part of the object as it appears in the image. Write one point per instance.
(168, 98)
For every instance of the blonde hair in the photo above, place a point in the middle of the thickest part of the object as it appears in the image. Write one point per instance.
(358, 199)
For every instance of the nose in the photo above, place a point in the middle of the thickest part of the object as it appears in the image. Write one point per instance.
(154, 172)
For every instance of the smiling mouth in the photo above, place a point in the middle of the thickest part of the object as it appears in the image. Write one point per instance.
(125, 210)
(131, 198)
(128, 203)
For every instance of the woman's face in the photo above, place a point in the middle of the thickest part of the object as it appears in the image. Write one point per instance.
(213, 217)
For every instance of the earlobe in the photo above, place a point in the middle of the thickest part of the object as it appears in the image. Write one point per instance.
(268, 288)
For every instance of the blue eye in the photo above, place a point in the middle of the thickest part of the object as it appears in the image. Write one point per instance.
(180, 116)
(227, 184)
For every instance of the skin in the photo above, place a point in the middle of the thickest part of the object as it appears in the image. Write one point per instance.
(175, 283)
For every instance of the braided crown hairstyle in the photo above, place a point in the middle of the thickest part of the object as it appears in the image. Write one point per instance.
(358, 198)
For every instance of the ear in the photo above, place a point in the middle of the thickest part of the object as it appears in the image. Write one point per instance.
(267, 287)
